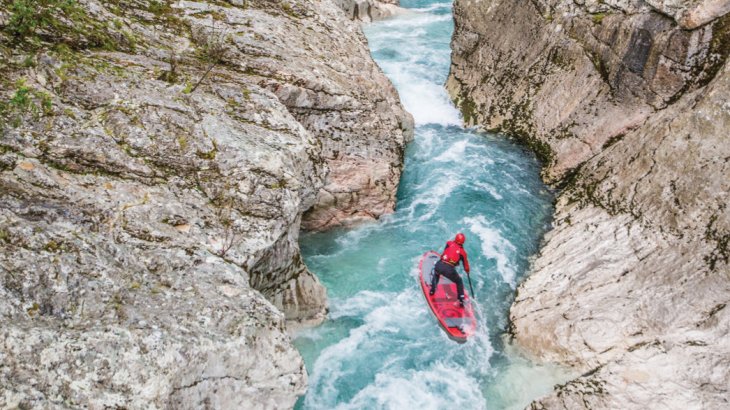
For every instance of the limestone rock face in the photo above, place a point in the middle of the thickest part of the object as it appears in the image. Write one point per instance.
(631, 113)
(369, 10)
(354, 110)
(156, 159)
(570, 77)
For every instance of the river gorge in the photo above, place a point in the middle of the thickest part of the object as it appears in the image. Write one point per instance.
(220, 204)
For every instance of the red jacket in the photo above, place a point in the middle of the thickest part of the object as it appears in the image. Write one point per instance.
(453, 254)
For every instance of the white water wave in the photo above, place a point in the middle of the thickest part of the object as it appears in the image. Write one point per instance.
(489, 188)
(433, 193)
(427, 101)
(411, 18)
(494, 246)
(439, 379)
(440, 387)
(454, 153)
(434, 7)
(386, 317)
(363, 302)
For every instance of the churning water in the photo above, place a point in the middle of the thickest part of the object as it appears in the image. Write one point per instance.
(380, 347)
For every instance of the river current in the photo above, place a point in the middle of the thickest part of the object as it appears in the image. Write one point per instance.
(380, 347)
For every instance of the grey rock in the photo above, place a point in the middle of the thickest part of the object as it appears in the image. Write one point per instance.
(630, 111)
(569, 78)
(369, 10)
(151, 197)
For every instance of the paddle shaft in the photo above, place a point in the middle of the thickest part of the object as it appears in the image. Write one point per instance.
(470, 288)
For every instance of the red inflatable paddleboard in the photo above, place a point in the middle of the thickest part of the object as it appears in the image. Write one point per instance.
(458, 322)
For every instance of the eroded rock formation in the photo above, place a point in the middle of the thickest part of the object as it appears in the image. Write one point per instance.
(369, 10)
(628, 104)
(156, 159)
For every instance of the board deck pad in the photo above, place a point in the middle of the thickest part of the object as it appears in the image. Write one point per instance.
(458, 323)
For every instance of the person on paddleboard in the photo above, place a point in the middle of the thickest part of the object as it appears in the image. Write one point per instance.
(450, 258)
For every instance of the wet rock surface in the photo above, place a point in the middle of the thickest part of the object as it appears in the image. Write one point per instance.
(155, 163)
(627, 104)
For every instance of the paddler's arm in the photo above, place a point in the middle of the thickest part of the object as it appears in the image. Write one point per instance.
(466, 261)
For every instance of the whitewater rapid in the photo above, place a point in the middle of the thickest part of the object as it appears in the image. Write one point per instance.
(380, 347)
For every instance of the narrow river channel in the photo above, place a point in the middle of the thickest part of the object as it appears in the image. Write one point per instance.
(380, 347)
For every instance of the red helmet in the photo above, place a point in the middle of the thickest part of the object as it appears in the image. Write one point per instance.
(460, 238)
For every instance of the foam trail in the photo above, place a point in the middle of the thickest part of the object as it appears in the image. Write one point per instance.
(438, 388)
(494, 246)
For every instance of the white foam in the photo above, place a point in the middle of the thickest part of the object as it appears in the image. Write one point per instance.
(329, 368)
(400, 27)
(439, 387)
(440, 379)
(352, 238)
(426, 100)
(359, 304)
(489, 188)
(435, 6)
(455, 152)
(433, 194)
(419, 78)
(494, 246)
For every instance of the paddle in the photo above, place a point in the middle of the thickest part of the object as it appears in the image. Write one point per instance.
(471, 289)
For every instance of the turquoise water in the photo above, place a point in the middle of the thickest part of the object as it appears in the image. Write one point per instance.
(380, 347)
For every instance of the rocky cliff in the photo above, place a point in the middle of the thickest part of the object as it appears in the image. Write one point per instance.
(156, 159)
(628, 105)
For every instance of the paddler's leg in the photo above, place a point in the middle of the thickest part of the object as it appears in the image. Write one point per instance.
(438, 269)
(451, 274)
(434, 282)
(460, 289)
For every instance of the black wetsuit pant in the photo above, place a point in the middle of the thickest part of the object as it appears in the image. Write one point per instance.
(443, 268)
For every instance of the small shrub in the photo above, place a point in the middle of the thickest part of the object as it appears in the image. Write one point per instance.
(211, 50)
(598, 17)
(66, 21)
(25, 100)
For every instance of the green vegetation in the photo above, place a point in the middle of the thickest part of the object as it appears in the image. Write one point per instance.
(719, 50)
(598, 18)
(611, 141)
(52, 246)
(25, 100)
(209, 155)
(4, 236)
(601, 67)
(33, 310)
(211, 51)
(182, 141)
(62, 21)
(289, 10)
(159, 8)
(26, 16)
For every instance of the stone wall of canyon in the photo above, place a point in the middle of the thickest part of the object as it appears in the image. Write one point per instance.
(628, 105)
(156, 162)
